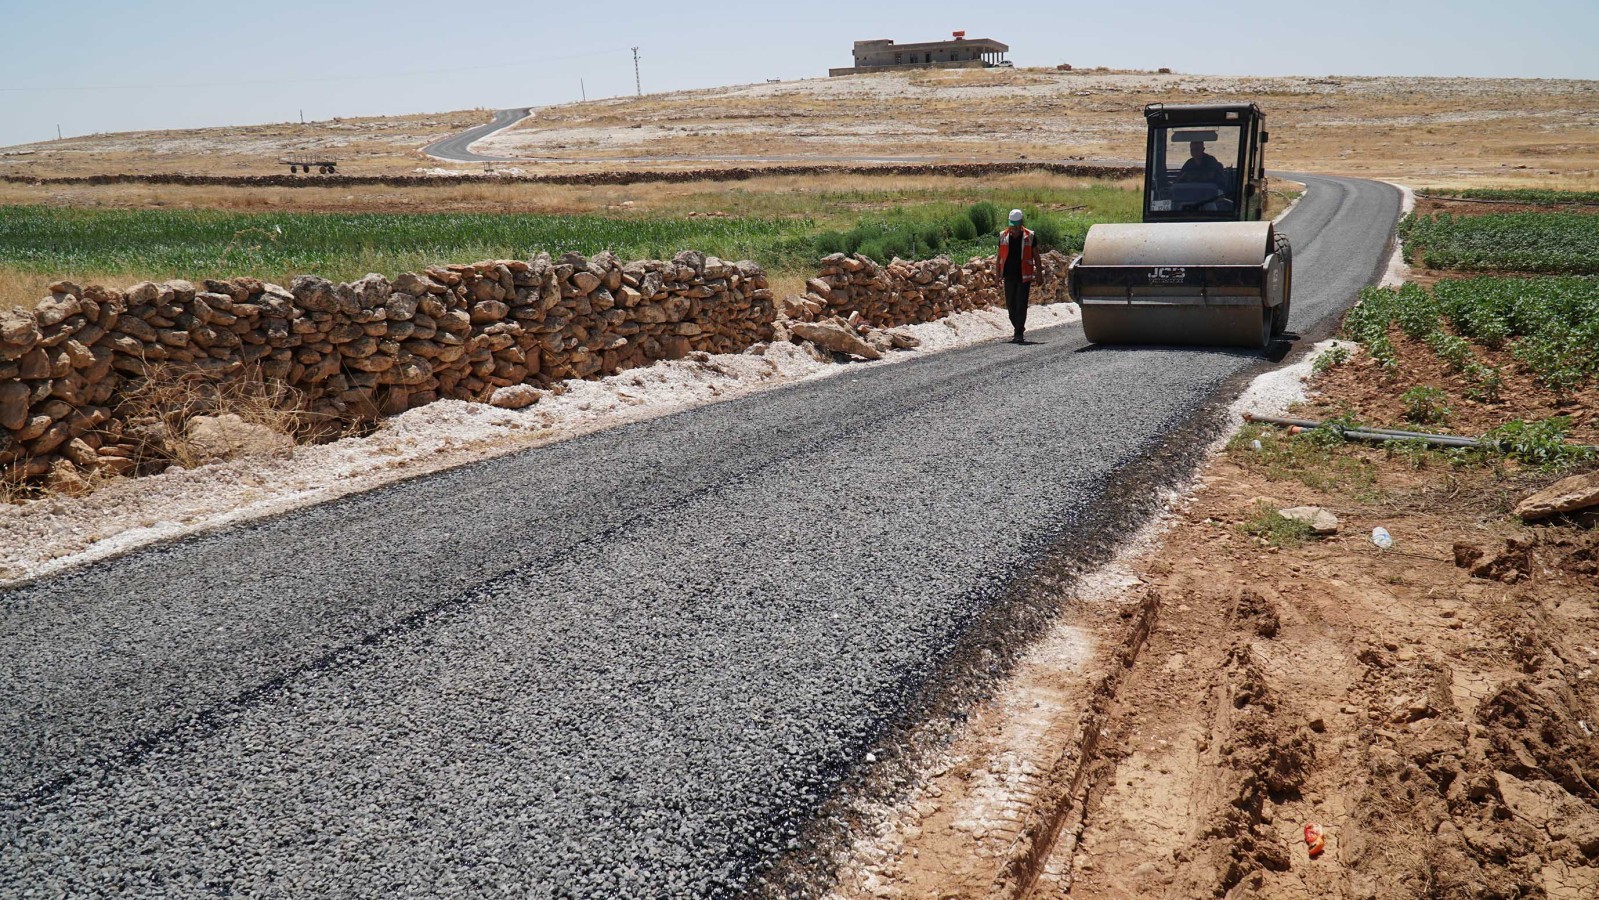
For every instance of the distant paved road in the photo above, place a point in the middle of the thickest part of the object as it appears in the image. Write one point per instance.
(454, 148)
(628, 665)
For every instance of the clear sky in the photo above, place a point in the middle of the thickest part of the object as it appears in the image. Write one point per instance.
(120, 65)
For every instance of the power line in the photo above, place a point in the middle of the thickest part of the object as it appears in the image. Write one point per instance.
(323, 80)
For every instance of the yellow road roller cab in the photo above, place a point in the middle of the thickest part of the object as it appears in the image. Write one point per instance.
(1202, 269)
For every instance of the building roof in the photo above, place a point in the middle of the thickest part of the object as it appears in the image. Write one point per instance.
(980, 43)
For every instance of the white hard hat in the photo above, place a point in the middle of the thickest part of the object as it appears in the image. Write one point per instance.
(1015, 215)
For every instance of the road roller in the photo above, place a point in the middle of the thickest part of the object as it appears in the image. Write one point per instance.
(1203, 268)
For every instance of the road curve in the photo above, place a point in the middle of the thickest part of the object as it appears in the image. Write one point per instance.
(628, 665)
(457, 147)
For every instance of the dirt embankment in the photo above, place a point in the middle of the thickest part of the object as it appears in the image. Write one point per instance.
(1430, 707)
(1435, 719)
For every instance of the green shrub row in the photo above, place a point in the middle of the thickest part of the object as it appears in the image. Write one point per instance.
(973, 231)
(1537, 242)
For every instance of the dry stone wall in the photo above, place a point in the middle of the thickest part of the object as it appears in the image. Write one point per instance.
(491, 331)
(355, 351)
(617, 177)
(902, 293)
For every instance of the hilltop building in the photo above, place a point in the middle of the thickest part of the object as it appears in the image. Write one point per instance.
(956, 53)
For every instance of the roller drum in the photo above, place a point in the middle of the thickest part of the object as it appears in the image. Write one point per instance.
(1189, 283)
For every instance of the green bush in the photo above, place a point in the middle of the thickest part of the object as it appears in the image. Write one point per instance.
(859, 235)
(1541, 443)
(932, 237)
(1540, 196)
(1416, 312)
(1454, 351)
(1332, 359)
(1425, 405)
(963, 229)
(1483, 382)
(985, 217)
(1049, 234)
(873, 249)
(830, 242)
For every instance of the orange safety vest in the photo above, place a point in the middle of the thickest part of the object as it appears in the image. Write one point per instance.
(1029, 260)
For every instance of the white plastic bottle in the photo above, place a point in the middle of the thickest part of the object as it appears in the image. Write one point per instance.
(1381, 538)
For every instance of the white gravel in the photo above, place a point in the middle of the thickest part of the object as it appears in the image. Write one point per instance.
(48, 535)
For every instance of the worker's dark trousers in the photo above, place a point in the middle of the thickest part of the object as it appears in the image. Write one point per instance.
(1016, 292)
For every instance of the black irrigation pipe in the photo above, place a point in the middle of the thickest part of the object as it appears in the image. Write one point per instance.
(1363, 433)
(1383, 435)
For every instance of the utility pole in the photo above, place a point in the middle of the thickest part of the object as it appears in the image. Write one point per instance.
(302, 117)
(58, 132)
(637, 87)
(584, 89)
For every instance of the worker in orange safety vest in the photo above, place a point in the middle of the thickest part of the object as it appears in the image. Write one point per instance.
(1015, 266)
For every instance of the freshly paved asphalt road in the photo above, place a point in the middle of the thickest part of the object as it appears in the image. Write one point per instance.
(454, 147)
(628, 665)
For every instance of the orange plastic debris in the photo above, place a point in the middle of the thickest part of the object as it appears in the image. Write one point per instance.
(1315, 839)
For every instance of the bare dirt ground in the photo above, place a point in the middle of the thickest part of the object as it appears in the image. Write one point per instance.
(363, 146)
(1431, 707)
(1436, 723)
(1419, 129)
(1423, 130)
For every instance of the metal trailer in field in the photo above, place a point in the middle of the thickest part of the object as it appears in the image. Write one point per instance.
(323, 165)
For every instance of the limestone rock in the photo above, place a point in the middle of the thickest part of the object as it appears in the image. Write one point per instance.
(903, 341)
(1320, 520)
(57, 309)
(516, 396)
(368, 292)
(64, 479)
(315, 294)
(14, 396)
(228, 435)
(486, 311)
(19, 332)
(1567, 495)
(835, 337)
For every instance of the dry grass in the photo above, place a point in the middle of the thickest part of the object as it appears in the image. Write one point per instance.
(168, 398)
(796, 195)
(20, 289)
(787, 284)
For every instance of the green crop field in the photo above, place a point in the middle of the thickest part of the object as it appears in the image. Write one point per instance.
(1539, 196)
(202, 243)
(1543, 243)
(787, 233)
(1549, 325)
